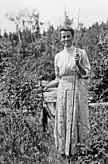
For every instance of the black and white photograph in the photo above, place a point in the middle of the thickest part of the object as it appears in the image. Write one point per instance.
(53, 82)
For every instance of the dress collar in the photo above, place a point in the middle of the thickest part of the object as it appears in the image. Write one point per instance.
(70, 50)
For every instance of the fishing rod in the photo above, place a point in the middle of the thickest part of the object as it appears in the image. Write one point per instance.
(73, 102)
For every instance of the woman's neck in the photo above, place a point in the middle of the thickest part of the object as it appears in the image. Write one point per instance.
(69, 48)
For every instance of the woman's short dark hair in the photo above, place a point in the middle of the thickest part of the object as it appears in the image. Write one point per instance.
(67, 28)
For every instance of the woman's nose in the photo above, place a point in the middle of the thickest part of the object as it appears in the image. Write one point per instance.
(66, 38)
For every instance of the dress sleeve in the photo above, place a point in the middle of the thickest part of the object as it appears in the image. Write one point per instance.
(85, 64)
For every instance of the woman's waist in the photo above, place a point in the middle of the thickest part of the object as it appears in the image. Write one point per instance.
(70, 80)
(71, 73)
(70, 77)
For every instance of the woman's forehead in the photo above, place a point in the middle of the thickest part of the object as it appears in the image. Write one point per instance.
(65, 33)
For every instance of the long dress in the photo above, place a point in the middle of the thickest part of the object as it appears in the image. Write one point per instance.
(72, 116)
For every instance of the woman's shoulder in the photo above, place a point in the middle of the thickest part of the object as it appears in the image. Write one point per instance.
(79, 50)
(59, 54)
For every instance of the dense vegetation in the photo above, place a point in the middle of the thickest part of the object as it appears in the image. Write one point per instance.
(26, 58)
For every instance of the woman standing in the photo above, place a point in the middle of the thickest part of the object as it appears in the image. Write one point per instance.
(72, 116)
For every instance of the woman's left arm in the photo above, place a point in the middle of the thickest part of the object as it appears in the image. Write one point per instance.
(84, 66)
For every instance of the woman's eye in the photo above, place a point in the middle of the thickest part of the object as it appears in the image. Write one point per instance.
(64, 37)
(68, 36)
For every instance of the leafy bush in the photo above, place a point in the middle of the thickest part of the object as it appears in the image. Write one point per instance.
(97, 150)
(100, 79)
(26, 58)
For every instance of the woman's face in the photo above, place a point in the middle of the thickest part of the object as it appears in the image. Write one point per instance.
(66, 38)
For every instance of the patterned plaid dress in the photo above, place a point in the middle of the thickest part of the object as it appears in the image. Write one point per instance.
(72, 116)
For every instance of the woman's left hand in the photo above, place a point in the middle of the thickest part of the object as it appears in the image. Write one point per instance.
(77, 59)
